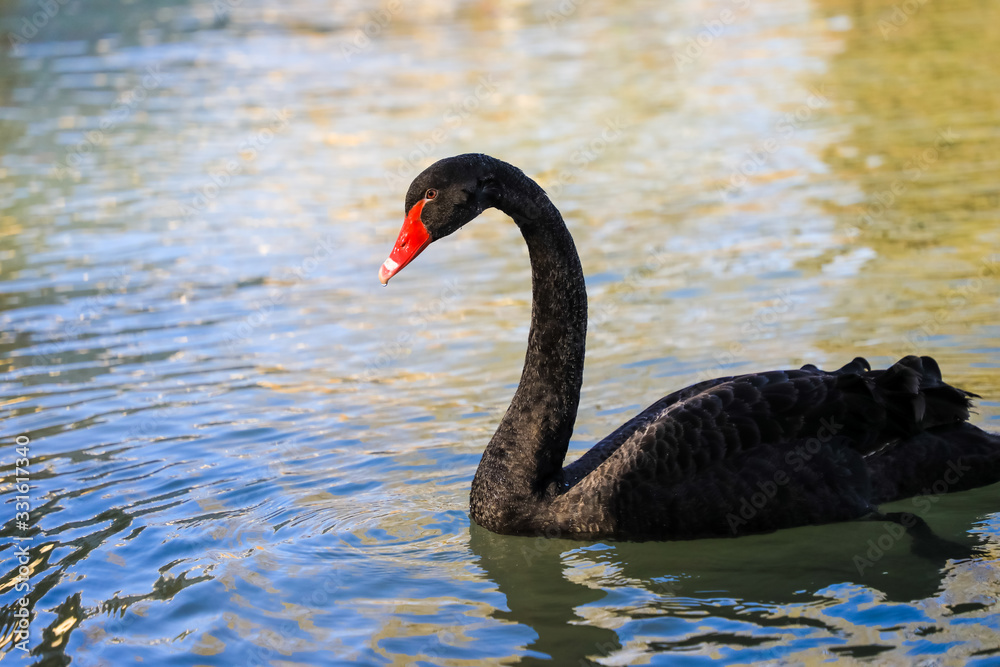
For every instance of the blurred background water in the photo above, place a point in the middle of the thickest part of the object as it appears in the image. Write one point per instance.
(243, 451)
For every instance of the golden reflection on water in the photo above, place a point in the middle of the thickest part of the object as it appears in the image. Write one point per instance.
(921, 155)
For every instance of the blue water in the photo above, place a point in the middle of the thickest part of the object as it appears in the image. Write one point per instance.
(241, 450)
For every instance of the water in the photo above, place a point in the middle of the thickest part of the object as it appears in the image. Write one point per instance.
(242, 450)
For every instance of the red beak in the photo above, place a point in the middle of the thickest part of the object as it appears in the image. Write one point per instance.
(413, 238)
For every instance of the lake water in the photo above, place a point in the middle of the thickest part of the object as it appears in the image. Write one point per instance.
(242, 450)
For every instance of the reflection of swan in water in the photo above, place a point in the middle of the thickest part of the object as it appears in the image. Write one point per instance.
(578, 597)
(811, 446)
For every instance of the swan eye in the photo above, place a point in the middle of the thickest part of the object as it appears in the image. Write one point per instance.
(431, 194)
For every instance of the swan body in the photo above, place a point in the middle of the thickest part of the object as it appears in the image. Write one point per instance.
(730, 456)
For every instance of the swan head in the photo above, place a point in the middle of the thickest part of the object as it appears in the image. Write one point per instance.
(442, 198)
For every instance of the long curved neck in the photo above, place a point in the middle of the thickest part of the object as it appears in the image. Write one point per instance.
(522, 464)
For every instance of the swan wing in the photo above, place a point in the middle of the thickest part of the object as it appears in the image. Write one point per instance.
(758, 451)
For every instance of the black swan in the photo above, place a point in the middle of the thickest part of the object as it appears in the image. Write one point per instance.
(729, 456)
